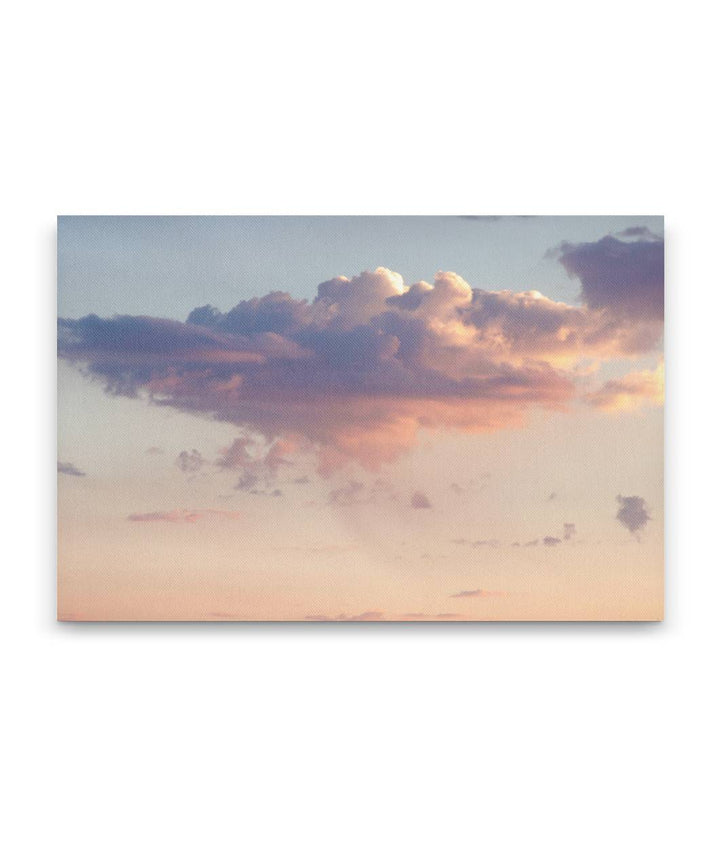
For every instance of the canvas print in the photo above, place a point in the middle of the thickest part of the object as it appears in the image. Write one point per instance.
(346, 419)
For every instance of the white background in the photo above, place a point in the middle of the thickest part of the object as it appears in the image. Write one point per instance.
(501, 739)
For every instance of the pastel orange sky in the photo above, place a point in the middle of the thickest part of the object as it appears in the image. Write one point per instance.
(480, 443)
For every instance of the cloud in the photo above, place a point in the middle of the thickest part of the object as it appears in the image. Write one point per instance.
(183, 515)
(420, 500)
(256, 462)
(190, 462)
(479, 593)
(438, 616)
(631, 391)
(624, 277)
(363, 616)
(569, 531)
(357, 493)
(68, 469)
(551, 541)
(633, 513)
(381, 616)
(469, 484)
(638, 232)
(350, 494)
(154, 450)
(355, 374)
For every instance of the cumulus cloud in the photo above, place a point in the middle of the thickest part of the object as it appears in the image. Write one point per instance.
(551, 541)
(68, 469)
(182, 515)
(569, 531)
(633, 513)
(420, 500)
(631, 391)
(354, 374)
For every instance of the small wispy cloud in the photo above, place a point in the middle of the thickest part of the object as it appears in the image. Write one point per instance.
(479, 593)
(68, 469)
(363, 616)
(630, 392)
(350, 494)
(183, 515)
(420, 500)
(382, 616)
(438, 616)
(256, 464)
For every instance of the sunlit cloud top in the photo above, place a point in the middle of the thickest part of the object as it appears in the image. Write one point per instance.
(354, 373)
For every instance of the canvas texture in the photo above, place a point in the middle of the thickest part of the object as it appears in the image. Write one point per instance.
(360, 419)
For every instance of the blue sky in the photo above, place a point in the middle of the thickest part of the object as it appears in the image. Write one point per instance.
(166, 266)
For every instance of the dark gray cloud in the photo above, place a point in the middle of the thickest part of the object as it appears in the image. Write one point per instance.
(68, 469)
(624, 277)
(633, 513)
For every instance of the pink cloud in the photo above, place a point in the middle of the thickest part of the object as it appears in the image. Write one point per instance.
(631, 391)
(355, 374)
(183, 515)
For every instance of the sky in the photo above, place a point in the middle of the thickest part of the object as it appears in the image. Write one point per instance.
(360, 418)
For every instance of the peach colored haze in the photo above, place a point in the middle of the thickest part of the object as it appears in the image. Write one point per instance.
(382, 450)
